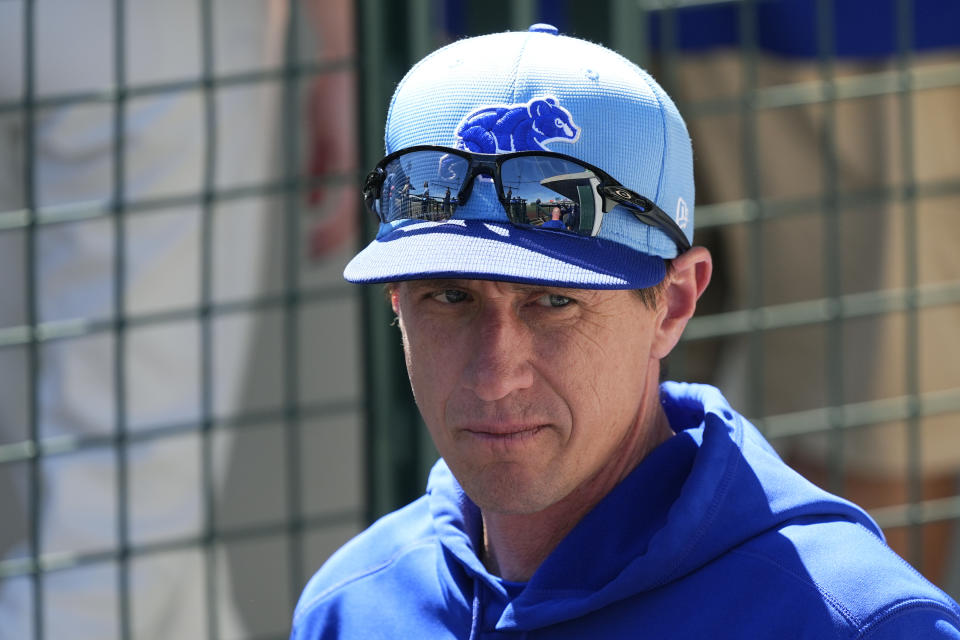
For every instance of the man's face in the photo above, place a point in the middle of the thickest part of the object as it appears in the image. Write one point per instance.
(530, 393)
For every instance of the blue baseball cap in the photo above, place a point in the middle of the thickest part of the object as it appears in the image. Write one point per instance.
(537, 90)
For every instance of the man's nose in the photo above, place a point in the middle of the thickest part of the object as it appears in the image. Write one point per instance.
(499, 362)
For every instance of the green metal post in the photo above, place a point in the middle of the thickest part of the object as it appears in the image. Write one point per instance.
(206, 318)
(119, 292)
(392, 423)
(629, 27)
(523, 13)
(290, 158)
(830, 168)
(748, 115)
(904, 21)
(32, 311)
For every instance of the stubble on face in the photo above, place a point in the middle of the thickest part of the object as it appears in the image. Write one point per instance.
(529, 403)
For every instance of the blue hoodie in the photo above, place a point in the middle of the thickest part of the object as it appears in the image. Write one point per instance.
(711, 536)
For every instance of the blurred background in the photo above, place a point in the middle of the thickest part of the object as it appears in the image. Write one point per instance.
(195, 409)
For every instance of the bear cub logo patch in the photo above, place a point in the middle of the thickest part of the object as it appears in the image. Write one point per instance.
(517, 127)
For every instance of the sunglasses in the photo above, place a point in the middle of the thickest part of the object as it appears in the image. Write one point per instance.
(538, 189)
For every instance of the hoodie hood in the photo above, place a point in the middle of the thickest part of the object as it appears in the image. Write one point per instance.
(714, 486)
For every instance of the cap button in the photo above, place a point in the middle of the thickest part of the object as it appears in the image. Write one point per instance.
(541, 27)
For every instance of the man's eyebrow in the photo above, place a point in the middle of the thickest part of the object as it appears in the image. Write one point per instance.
(432, 283)
(567, 292)
(546, 288)
(518, 287)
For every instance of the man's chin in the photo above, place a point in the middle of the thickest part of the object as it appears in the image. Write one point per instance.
(510, 491)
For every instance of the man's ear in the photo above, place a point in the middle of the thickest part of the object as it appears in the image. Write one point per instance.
(686, 282)
(394, 298)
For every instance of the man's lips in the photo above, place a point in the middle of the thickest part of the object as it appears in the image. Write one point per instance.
(503, 431)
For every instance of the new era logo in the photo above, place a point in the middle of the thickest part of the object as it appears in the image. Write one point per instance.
(683, 214)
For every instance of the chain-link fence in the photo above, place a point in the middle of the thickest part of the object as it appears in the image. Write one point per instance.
(195, 410)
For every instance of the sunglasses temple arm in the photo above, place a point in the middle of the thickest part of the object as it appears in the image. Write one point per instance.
(660, 220)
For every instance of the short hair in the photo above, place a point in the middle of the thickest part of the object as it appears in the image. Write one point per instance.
(650, 296)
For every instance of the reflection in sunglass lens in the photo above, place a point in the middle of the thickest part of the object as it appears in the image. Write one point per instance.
(539, 189)
(422, 186)
(552, 193)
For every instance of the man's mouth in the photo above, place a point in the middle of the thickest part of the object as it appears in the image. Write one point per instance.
(504, 432)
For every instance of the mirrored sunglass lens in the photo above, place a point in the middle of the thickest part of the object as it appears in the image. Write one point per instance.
(552, 193)
(422, 185)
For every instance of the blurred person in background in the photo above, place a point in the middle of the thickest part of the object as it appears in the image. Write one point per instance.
(857, 155)
(70, 149)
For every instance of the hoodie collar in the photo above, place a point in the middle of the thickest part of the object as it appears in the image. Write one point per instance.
(713, 486)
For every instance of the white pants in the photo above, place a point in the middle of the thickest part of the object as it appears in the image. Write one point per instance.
(164, 149)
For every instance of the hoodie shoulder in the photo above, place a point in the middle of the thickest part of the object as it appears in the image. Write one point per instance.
(367, 557)
(824, 566)
(840, 570)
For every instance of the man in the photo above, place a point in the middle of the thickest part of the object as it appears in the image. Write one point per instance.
(577, 497)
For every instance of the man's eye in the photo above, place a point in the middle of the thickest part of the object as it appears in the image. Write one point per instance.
(553, 300)
(450, 296)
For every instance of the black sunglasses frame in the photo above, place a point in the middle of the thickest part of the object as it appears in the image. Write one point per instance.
(611, 191)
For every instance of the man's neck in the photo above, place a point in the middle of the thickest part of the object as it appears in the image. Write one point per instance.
(514, 545)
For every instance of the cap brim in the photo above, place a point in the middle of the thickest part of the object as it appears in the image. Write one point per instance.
(491, 251)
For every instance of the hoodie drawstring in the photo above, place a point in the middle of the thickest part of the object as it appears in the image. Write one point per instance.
(475, 622)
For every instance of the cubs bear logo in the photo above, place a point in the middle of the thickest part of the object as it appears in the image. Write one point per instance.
(517, 127)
